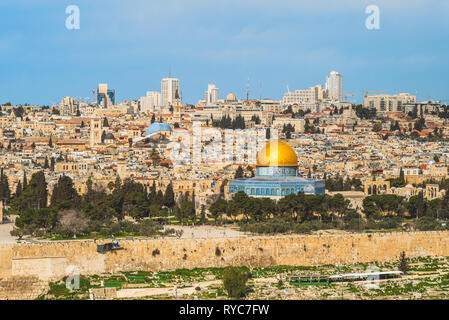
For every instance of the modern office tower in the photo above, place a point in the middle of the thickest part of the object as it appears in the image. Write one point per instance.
(334, 86)
(150, 101)
(211, 94)
(105, 96)
(169, 91)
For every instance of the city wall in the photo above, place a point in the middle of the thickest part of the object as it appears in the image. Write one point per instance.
(53, 260)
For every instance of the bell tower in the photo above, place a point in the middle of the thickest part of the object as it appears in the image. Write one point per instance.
(96, 128)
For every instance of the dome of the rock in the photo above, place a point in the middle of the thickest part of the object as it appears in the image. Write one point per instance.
(277, 153)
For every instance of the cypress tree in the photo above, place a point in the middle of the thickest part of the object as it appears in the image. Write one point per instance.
(25, 182)
(169, 197)
(18, 190)
(41, 185)
(159, 197)
(117, 184)
(46, 165)
(153, 193)
(52, 164)
(64, 191)
(403, 264)
(5, 192)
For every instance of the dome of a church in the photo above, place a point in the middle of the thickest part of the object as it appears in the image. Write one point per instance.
(158, 126)
(277, 153)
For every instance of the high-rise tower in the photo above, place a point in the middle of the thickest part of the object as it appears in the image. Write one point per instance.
(334, 86)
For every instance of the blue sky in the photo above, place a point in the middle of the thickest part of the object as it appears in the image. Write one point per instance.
(132, 44)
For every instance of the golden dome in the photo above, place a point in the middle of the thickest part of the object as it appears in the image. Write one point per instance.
(277, 153)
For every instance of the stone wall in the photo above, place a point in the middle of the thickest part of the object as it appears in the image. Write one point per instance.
(22, 288)
(54, 260)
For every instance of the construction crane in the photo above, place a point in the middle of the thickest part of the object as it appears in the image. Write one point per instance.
(372, 91)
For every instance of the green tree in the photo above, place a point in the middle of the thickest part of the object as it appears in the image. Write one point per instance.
(46, 164)
(52, 164)
(34, 195)
(186, 211)
(25, 180)
(64, 190)
(5, 192)
(203, 217)
(169, 196)
(153, 193)
(19, 112)
(239, 173)
(218, 208)
(18, 192)
(403, 263)
(234, 281)
(136, 205)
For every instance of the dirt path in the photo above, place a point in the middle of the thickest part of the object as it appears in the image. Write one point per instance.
(5, 229)
(198, 232)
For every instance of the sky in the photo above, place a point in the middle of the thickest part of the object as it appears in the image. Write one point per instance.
(132, 45)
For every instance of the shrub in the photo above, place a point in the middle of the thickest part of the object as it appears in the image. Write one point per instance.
(353, 224)
(427, 223)
(272, 226)
(234, 281)
(129, 227)
(302, 228)
(148, 228)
